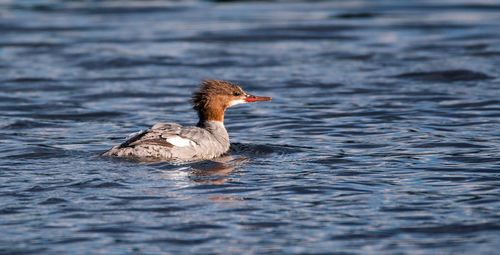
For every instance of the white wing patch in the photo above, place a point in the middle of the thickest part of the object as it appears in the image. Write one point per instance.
(180, 142)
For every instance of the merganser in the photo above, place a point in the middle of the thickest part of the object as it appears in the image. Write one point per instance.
(207, 140)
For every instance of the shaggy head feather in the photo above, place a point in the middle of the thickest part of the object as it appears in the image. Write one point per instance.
(214, 96)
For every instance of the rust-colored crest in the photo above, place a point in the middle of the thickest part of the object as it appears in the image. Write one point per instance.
(212, 99)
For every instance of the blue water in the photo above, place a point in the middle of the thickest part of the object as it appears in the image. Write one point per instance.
(382, 137)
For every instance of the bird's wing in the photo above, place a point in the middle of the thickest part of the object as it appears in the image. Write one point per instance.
(159, 134)
(195, 134)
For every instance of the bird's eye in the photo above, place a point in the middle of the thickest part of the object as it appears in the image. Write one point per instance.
(236, 94)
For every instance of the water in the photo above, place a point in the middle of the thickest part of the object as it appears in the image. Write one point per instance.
(382, 137)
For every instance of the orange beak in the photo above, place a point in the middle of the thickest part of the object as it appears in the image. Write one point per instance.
(251, 98)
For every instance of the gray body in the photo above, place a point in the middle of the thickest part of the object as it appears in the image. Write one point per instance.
(175, 142)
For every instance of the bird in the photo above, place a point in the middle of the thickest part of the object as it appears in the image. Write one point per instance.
(174, 142)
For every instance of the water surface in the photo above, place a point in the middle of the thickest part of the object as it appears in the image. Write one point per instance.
(382, 136)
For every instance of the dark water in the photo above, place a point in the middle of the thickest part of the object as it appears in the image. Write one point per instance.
(383, 136)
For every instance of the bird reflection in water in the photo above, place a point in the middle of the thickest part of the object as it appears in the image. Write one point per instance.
(215, 171)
